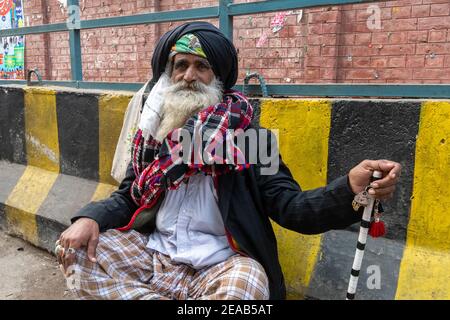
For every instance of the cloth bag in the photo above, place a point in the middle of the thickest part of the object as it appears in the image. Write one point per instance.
(122, 155)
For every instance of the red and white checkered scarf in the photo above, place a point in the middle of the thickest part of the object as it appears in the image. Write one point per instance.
(167, 170)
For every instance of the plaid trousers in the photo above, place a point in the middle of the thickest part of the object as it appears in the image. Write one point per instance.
(126, 269)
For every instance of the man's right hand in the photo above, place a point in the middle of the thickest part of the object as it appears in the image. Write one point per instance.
(83, 233)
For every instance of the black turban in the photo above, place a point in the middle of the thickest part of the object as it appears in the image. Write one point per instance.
(219, 50)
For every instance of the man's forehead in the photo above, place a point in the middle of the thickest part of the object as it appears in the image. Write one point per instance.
(189, 57)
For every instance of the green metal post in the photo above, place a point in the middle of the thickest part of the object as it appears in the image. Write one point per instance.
(225, 20)
(73, 24)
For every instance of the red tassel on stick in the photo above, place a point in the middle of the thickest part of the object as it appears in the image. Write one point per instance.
(377, 228)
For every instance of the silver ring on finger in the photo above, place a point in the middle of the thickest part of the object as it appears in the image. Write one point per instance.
(58, 250)
(70, 251)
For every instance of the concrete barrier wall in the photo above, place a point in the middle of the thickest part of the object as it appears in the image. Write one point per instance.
(56, 152)
(56, 149)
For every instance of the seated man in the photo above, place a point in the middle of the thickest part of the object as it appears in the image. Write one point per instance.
(185, 230)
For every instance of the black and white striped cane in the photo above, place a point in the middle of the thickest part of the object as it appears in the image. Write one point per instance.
(362, 238)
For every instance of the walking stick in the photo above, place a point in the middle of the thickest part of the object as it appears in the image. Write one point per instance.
(377, 229)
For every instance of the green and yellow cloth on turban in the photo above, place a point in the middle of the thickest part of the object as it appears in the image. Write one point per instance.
(190, 44)
(219, 50)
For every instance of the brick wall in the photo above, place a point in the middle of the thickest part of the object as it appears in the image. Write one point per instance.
(328, 44)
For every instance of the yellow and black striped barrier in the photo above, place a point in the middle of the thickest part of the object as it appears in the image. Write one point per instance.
(56, 154)
(56, 150)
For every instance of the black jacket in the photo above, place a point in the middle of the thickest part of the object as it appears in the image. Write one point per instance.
(247, 200)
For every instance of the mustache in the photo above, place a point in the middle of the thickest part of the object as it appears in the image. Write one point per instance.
(192, 86)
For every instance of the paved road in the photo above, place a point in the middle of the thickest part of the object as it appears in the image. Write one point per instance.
(28, 273)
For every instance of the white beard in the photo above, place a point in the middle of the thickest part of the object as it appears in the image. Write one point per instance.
(181, 103)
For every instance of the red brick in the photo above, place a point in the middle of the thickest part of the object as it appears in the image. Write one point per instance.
(315, 39)
(284, 33)
(296, 31)
(386, 13)
(288, 43)
(396, 74)
(277, 52)
(359, 6)
(437, 61)
(329, 39)
(401, 12)
(330, 28)
(328, 73)
(380, 38)
(360, 74)
(395, 49)
(348, 27)
(362, 15)
(438, 36)
(295, 73)
(399, 3)
(312, 74)
(362, 27)
(434, 1)
(291, 20)
(346, 39)
(415, 61)
(361, 62)
(398, 37)
(431, 74)
(324, 17)
(276, 63)
(329, 51)
(348, 16)
(314, 62)
(315, 29)
(324, 62)
(420, 11)
(312, 51)
(437, 48)
(447, 61)
(295, 53)
(292, 63)
(397, 62)
(417, 36)
(440, 9)
(274, 73)
(433, 23)
(345, 51)
(344, 62)
(400, 24)
(379, 62)
(275, 43)
(363, 38)
(363, 51)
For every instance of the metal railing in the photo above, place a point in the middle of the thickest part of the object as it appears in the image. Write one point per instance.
(225, 12)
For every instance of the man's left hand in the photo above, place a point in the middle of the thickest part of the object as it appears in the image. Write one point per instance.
(359, 177)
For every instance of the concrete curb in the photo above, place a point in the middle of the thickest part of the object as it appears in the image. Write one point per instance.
(63, 198)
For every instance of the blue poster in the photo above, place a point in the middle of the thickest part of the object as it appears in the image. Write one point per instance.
(12, 62)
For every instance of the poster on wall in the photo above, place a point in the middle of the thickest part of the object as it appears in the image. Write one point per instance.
(11, 48)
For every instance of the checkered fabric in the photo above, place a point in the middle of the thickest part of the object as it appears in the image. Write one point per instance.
(167, 171)
(126, 269)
